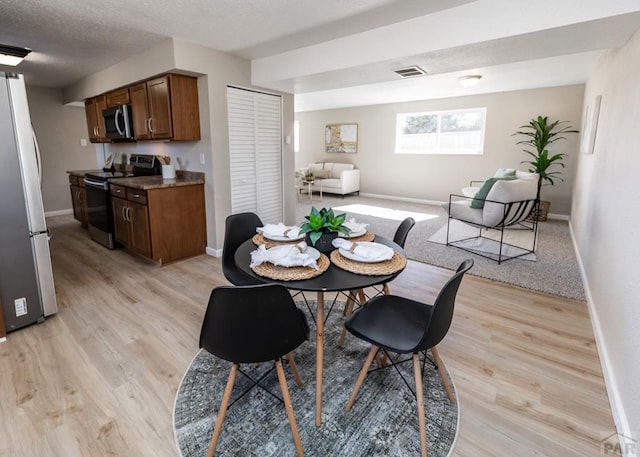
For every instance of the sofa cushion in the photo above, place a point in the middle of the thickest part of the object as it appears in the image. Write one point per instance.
(337, 168)
(462, 210)
(507, 191)
(481, 195)
(315, 167)
(505, 173)
(321, 174)
(330, 183)
(527, 175)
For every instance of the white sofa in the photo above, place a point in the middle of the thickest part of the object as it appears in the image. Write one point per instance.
(335, 178)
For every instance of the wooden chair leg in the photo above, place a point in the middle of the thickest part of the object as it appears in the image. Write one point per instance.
(289, 407)
(420, 399)
(442, 373)
(223, 410)
(294, 370)
(348, 307)
(361, 376)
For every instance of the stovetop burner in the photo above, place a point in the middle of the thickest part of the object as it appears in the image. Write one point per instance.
(104, 175)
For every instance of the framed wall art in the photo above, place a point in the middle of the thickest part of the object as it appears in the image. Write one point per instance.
(590, 125)
(341, 138)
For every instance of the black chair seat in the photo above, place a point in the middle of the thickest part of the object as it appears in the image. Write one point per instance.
(391, 322)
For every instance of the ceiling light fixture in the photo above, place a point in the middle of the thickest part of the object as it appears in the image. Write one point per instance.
(469, 80)
(11, 55)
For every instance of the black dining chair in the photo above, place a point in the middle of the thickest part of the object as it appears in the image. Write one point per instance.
(251, 324)
(403, 326)
(238, 229)
(399, 238)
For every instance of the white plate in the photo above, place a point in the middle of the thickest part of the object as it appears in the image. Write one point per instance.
(383, 252)
(282, 238)
(312, 252)
(354, 234)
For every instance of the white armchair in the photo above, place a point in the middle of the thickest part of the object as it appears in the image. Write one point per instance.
(508, 202)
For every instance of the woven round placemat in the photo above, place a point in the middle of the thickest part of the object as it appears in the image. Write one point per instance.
(386, 267)
(259, 239)
(271, 271)
(368, 236)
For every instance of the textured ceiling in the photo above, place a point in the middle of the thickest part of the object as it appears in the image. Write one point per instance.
(332, 51)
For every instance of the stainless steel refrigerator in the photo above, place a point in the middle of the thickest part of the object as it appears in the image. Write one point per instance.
(26, 279)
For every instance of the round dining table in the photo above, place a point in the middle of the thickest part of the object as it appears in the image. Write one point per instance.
(334, 279)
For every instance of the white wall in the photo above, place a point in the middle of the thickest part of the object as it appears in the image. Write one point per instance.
(59, 129)
(605, 218)
(434, 177)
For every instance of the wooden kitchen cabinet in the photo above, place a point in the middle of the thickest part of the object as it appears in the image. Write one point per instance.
(166, 108)
(131, 222)
(163, 224)
(79, 200)
(95, 122)
(118, 97)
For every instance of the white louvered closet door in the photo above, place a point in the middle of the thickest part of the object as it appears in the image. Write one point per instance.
(255, 149)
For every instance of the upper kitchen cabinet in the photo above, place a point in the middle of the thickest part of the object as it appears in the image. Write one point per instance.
(95, 123)
(166, 108)
(118, 97)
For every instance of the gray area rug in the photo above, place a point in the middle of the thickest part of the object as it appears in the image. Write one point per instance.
(382, 422)
(554, 272)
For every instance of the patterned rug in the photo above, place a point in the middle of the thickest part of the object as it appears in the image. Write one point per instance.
(382, 422)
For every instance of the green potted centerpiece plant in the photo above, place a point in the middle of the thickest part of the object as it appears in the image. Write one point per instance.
(541, 133)
(322, 227)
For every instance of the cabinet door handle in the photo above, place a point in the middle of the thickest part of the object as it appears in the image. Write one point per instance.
(124, 213)
(136, 195)
(129, 214)
(150, 128)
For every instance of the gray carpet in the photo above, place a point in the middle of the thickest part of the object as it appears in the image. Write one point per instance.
(382, 422)
(555, 272)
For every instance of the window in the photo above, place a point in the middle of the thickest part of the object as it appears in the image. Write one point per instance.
(441, 132)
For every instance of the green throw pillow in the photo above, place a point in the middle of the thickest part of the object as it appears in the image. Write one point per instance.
(481, 195)
(505, 173)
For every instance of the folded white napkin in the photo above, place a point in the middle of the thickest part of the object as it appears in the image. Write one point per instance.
(371, 252)
(280, 229)
(354, 226)
(286, 256)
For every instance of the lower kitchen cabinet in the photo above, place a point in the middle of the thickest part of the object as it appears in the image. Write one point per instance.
(79, 200)
(131, 221)
(163, 224)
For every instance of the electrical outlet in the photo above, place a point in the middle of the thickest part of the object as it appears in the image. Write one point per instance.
(21, 306)
(202, 158)
(83, 141)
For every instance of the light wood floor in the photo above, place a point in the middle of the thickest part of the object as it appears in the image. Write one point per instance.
(100, 377)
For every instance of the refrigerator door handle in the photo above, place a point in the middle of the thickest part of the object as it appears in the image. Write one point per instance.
(38, 156)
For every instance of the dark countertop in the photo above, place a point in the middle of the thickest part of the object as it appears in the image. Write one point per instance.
(81, 173)
(183, 178)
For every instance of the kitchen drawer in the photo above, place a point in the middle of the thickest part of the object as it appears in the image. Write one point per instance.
(73, 180)
(118, 191)
(137, 195)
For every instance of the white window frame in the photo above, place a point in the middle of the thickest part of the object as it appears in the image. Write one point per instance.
(438, 148)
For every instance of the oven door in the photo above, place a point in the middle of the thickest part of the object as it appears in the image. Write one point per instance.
(99, 211)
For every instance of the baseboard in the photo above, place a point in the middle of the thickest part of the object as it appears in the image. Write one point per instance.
(62, 212)
(213, 252)
(611, 385)
(560, 217)
(403, 199)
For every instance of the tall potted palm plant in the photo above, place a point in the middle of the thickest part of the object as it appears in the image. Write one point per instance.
(540, 133)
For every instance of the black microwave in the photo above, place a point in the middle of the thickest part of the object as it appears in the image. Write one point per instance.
(118, 123)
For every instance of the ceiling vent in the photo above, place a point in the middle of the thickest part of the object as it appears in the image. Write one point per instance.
(410, 72)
